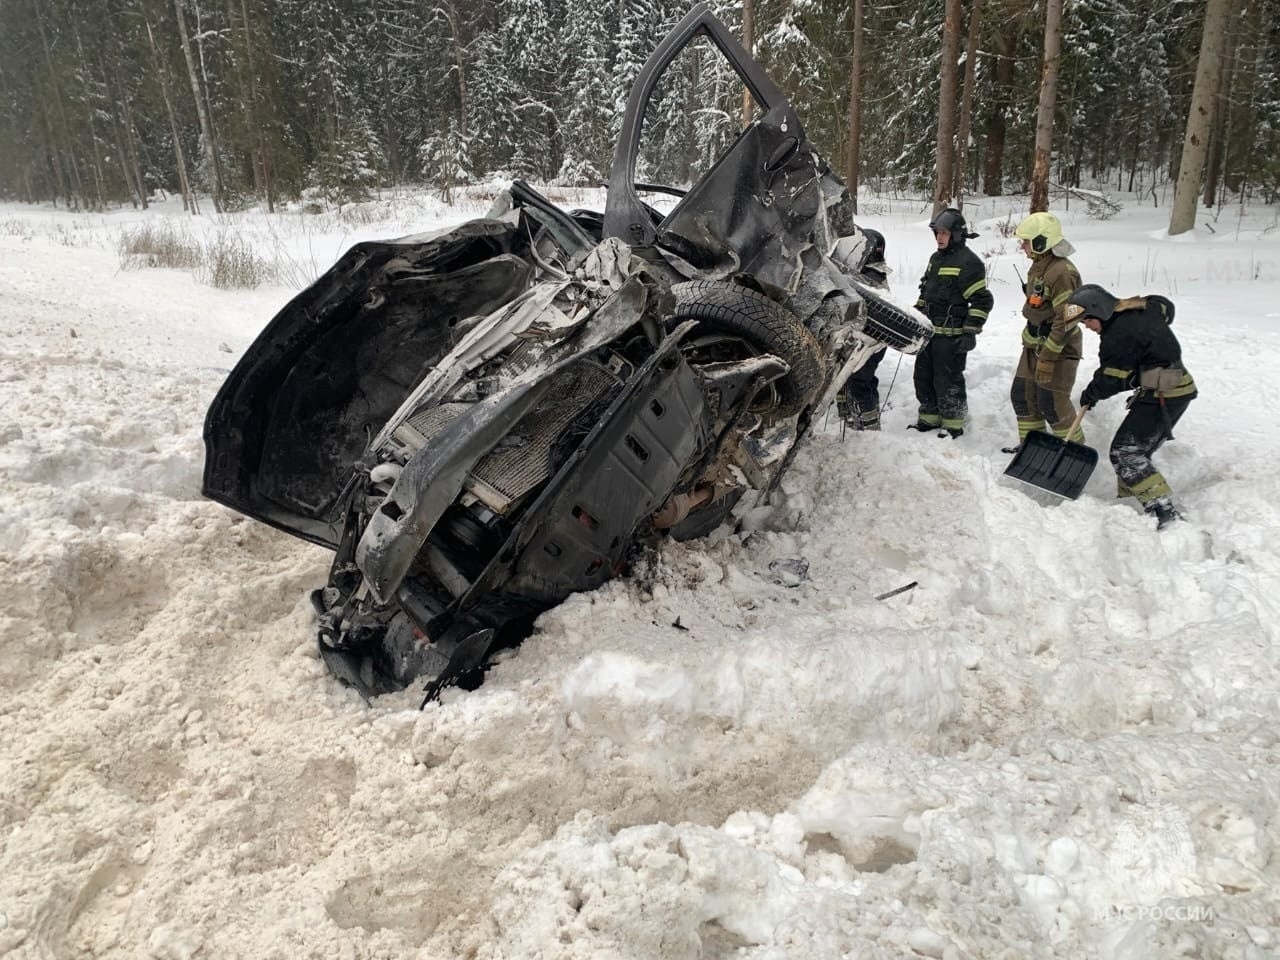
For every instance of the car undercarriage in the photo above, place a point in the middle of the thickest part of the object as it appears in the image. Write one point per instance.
(482, 422)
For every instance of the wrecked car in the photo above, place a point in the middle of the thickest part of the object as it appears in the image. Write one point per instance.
(482, 422)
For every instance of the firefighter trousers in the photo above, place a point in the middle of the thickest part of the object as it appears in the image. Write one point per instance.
(939, 379)
(1139, 436)
(1036, 404)
(861, 406)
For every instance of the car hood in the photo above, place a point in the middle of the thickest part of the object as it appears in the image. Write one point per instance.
(292, 420)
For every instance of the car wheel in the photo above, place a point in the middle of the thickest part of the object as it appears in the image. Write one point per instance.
(892, 325)
(764, 324)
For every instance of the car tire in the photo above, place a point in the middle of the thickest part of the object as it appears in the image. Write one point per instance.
(892, 325)
(767, 326)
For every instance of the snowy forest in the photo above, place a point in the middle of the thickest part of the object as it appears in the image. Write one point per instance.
(241, 102)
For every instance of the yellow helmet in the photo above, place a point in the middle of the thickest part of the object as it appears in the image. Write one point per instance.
(1043, 229)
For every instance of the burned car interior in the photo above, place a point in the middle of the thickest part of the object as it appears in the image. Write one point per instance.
(482, 422)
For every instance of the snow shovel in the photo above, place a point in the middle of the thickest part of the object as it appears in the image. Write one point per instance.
(1054, 464)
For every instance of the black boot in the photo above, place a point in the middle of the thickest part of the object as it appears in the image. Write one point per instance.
(1164, 511)
(855, 418)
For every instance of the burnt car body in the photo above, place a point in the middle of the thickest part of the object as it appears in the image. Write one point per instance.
(482, 422)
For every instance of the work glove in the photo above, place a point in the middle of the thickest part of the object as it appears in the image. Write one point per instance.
(968, 341)
(1044, 371)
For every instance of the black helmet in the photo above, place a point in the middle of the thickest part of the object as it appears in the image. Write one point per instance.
(952, 220)
(1091, 300)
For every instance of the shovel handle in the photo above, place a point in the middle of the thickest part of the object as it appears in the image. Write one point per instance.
(1075, 424)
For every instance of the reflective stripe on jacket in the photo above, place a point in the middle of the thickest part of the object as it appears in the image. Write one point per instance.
(953, 292)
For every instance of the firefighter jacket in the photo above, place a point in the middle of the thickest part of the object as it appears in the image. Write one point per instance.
(1050, 281)
(953, 292)
(1137, 349)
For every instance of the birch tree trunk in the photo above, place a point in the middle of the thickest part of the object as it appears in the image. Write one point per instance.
(853, 156)
(946, 146)
(208, 106)
(202, 114)
(62, 129)
(1203, 102)
(99, 188)
(189, 201)
(1048, 103)
(130, 135)
(53, 156)
(1218, 128)
(123, 156)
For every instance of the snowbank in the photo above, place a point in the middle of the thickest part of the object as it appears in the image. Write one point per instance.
(1061, 743)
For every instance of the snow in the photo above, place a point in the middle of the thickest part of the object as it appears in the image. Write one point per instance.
(1061, 743)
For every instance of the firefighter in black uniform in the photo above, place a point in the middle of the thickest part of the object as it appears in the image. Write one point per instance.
(859, 402)
(954, 295)
(1137, 351)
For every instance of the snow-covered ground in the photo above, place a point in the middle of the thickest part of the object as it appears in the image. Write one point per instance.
(1062, 743)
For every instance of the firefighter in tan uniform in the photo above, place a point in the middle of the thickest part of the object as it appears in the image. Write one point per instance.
(1051, 343)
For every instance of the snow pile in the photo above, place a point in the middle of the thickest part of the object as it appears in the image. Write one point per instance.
(1061, 743)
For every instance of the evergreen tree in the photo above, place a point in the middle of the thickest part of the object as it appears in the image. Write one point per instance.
(1264, 172)
(588, 102)
(492, 117)
(530, 53)
(446, 160)
(269, 96)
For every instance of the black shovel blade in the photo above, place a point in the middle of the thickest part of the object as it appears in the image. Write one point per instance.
(1053, 464)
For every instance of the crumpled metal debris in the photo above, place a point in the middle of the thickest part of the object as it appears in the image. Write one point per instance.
(789, 571)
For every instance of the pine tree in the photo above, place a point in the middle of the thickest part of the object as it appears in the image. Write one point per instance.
(491, 118)
(1264, 169)
(529, 54)
(589, 106)
(446, 161)
(269, 95)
